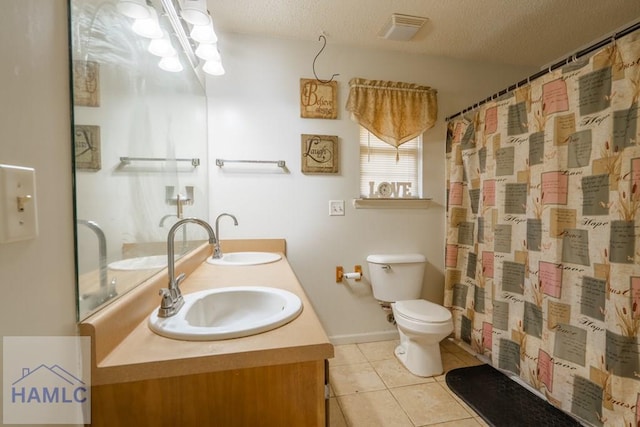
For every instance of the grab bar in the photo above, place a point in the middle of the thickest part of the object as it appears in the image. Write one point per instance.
(195, 162)
(279, 163)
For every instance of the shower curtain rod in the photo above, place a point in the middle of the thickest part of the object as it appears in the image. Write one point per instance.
(558, 64)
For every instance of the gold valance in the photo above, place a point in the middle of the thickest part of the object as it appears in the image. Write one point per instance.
(394, 112)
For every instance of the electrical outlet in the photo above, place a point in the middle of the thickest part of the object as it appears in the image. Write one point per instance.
(336, 207)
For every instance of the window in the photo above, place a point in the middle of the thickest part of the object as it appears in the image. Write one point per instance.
(389, 173)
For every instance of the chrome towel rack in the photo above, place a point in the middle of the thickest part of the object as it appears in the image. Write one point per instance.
(195, 162)
(279, 163)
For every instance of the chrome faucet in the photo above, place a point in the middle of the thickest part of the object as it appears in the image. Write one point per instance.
(172, 299)
(217, 252)
(107, 290)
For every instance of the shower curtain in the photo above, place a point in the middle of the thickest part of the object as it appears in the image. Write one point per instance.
(542, 252)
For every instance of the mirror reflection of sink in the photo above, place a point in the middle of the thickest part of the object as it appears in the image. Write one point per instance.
(230, 312)
(140, 263)
(245, 258)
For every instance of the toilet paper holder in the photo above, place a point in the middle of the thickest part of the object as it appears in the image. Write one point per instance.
(356, 274)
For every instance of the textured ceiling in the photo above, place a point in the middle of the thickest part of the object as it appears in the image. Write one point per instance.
(518, 32)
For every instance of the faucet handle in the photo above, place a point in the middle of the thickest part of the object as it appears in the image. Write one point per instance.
(167, 301)
(180, 278)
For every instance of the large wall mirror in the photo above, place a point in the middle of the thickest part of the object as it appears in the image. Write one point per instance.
(140, 144)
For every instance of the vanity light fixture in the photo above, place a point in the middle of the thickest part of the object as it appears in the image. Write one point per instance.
(193, 29)
(136, 9)
(195, 12)
(148, 27)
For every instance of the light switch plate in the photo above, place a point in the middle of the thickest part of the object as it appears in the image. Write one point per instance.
(336, 207)
(18, 219)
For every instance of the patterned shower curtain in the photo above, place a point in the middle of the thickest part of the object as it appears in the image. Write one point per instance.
(542, 252)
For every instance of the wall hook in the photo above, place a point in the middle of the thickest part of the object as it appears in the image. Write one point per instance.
(324, 44)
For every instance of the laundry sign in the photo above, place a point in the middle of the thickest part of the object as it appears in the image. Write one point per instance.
(390, 190)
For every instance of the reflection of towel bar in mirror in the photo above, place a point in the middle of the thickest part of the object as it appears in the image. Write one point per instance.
(279, 163)
(195, 162)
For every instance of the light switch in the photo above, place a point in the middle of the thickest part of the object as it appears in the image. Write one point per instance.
(336, 207)
(18, 220)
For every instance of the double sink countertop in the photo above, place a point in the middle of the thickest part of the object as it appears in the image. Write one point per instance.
(125, 349)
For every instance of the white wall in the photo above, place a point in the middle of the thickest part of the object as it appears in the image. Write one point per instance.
(36, 276)
(254, 114)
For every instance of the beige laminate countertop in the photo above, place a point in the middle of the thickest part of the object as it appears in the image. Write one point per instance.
(138, 354)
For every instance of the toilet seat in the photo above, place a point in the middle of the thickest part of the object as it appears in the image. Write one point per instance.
(424, 311)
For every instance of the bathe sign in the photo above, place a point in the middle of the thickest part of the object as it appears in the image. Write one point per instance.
(47, 380)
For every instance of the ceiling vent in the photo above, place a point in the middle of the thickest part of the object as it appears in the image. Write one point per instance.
(401, 27)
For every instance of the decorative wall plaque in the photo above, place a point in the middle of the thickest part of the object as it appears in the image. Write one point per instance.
(86, 84)
(319, 154)
(318, 100)
(86, 141)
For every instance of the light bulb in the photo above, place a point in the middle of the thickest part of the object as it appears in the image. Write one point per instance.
(170, 63)
(208, 52)
(136, 9)
(162, 46)
(204, 33)
(148, 27)
(195, 12)
(214, 68)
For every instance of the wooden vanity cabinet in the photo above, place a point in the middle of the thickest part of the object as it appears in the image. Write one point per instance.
(279, 395)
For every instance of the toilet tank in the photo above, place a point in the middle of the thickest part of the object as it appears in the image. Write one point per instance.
(396, 277)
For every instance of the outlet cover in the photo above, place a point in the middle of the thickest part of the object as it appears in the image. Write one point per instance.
(336, 207)
(18, 219)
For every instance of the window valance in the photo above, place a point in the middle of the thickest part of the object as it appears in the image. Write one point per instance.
(395, 112)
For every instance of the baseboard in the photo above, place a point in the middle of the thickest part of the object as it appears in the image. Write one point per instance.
(365, 337)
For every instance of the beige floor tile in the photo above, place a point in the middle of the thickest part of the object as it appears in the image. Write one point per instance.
(451, 347)
(375, 408)
(469, 359)
(346, 354)
(336, 417)
(379, 350)
(451, 361)
(467, 422)
(429, 403)
(354, 378)
(394, 374)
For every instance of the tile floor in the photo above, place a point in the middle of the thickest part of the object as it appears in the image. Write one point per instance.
(370, 387)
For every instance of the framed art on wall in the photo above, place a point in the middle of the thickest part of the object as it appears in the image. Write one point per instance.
(87, 147)
(86, 84)
(318, 100)
(319, 154)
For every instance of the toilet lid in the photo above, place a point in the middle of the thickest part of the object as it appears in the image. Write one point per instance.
(423, 311)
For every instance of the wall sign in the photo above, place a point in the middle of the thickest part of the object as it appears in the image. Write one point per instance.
(86, 84)
(86, 141)
(318, 100)
(319, 154)
(390, 190)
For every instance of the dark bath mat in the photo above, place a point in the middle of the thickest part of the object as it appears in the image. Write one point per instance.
(500, 401)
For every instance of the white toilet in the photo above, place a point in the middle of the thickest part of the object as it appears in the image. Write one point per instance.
(397, 278)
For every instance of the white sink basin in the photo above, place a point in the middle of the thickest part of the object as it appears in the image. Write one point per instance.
(140, 263)
(233, 312)
(245, 258)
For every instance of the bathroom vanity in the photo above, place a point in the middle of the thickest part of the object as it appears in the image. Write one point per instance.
(274, 378)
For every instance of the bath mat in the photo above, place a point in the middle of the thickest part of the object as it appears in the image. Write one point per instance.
(500, 401)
